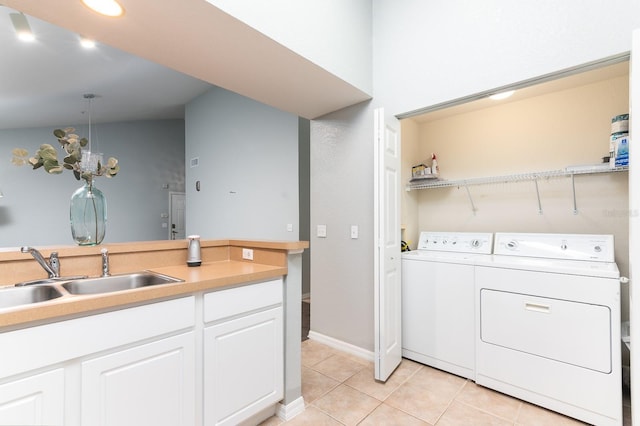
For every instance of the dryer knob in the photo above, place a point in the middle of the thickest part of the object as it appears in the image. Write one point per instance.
(597, 249)
(512, 245)
(563, 246)
(475, 243)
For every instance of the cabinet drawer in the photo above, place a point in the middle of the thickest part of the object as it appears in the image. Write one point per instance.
(235, 301)
(565, 331)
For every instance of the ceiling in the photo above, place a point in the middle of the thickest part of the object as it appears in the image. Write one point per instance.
(620, 68)
(43, 82)
(190, 36)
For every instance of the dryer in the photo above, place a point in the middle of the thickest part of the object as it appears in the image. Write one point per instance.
(438, 300)
(548, 323)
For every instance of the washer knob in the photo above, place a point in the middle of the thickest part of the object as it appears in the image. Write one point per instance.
(563, 246)
(597, 249)
(475, 243)
(512, 245)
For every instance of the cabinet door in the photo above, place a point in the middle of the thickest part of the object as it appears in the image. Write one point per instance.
(243, 367)
(35, 400)
(151, 384)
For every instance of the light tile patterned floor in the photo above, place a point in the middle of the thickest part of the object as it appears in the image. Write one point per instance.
(339, 389)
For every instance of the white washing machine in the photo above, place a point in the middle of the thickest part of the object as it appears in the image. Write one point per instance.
(548, 323)
(438, 299)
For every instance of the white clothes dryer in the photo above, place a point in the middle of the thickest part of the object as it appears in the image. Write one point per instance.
(548, 323)
(438, 300)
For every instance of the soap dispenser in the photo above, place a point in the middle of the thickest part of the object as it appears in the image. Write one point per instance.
(193, 251)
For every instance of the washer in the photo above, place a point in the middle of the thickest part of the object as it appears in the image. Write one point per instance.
(438, 300)
(548, 323)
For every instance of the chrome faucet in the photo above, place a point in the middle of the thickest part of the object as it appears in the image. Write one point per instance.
(52, 267)
(105, 262)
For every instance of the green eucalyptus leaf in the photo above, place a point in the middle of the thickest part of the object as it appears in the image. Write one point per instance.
(52, 166)
(59, 133)
(70, 159)
(76, 174)
(84, 142)
(67, 166)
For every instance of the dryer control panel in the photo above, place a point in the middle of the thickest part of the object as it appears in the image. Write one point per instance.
(598, 248)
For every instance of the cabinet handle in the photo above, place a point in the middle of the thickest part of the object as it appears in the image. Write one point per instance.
(536, 307)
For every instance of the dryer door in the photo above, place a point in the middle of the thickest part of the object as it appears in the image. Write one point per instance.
(565, 331)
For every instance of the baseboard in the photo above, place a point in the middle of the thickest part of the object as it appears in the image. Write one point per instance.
(289, 411)
(341, 346)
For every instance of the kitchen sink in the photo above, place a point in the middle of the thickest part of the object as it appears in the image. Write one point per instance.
(16, 296)
(117, 283)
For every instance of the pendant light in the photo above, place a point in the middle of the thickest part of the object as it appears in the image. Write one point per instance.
(90, 159)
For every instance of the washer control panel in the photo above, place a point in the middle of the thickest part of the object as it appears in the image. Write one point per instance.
(457, 242)
(599, 248)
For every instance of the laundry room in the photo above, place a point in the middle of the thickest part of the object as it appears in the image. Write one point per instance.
(531, 179)
(509, 163)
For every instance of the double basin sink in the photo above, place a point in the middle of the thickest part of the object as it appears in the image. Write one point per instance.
(53, 288)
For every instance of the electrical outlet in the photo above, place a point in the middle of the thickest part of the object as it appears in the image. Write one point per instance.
(321, 231)
(247, 254)
(354, 231)
(289, 227)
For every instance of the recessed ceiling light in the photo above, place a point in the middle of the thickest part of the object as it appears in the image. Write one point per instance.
(501, 95)
(105, 7)
(21, 25)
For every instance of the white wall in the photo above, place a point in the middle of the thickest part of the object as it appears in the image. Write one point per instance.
(426, 53)
(248, 168)
(430, 52)
(334, 34)
(35, 208)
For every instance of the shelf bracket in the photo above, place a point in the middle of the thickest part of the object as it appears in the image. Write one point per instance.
(573, 188)
(538, 195)
(473, 206)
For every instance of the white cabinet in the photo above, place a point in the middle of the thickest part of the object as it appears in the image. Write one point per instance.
(215, 358)
(82, 364)
(243, 352)
(151, 384)
(34, 400)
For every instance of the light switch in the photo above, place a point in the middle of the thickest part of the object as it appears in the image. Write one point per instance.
(322, 231)
(354, 232)
(289, 227)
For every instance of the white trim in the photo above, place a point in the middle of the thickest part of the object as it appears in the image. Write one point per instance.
(341, 346)
(289, 411)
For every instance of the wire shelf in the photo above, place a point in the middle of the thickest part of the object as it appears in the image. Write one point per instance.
(519, 177)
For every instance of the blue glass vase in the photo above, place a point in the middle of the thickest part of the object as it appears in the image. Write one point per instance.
(88, 215)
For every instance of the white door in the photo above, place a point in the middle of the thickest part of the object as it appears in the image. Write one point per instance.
(634, 225)
(388, 291)
(177, 207)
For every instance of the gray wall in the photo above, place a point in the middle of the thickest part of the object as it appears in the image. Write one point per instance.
(35, 208)
(247, 168)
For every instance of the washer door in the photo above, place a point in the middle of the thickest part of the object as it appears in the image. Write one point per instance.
(570, 332)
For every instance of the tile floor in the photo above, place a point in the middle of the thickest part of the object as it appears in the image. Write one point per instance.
(339, 389)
